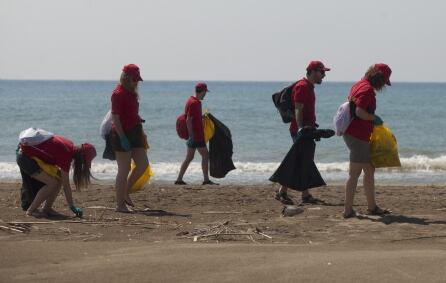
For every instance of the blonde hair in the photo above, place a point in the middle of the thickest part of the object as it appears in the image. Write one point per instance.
(127, 82)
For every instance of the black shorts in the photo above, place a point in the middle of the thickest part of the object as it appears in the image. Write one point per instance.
(197, 144)
(27, 164)
(30, 186)
(135, 136)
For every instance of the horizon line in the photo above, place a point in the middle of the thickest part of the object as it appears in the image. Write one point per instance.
(189, 80)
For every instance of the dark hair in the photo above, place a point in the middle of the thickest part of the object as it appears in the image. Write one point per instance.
(376, 78)
(81, 170)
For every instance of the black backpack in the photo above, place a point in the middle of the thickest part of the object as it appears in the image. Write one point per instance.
(282, 101)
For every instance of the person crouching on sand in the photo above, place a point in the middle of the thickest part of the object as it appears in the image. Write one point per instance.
(357, 137)
(127, 136)
(194, 122)
(62, 153)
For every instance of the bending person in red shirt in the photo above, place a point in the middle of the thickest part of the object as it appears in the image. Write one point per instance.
(194, 122)
(61, 152)
(304, 100)
(357, 137)
(127, 137)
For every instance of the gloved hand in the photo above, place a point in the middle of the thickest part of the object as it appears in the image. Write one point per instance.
(125, 144)
(76, 210)
(190, 141)
(378, 121)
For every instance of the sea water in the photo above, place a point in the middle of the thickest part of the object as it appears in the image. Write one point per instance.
(75, 109)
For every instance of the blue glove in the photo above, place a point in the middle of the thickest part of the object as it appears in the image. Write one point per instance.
(76, 210)
(190, 142)
(125, 144)
(378, 121)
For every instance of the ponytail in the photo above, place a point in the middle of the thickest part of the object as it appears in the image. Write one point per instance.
(81, 170)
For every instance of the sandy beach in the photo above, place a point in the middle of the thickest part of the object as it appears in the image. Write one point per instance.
(226, 234)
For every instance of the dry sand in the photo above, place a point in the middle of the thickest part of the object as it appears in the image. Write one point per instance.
(156, 244)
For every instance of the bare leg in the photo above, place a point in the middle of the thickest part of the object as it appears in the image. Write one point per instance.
(354, 172)
(203, 151)
(50, 189)
(47, 207)
(189, 157)
(369, 185)
(123, 160)
(139, 156)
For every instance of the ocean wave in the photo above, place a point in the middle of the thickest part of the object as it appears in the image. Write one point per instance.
(168, 170)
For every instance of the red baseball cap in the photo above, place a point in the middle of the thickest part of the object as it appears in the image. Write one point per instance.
(316, 65)
(133, 71)
(201, 87)
(385, 69)
(89, 152)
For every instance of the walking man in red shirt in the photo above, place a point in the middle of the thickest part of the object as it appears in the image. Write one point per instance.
(194, 122)
(304, 101)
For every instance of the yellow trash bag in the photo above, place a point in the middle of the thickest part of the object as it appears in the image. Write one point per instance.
(208, 127)
(51, 170)
(383, 148)
(139, 184)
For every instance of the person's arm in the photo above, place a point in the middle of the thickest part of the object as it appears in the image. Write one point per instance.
(118, 126)
(68, 195)
(67, 187)
(364, 115)
(190, 129)
(125, 144)
(299, 114)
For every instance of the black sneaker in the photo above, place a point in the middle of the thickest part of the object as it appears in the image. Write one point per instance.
(180, 182)
(311, 199)
(284, 198)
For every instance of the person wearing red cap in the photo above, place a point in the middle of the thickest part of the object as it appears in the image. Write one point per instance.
(127, 136)
(194, 122)
(303, 98)
(62, 153)
(362, 99)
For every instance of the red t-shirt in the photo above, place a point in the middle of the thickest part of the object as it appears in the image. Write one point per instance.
(125, 104)
(363, 95)
(193, 110)
(56, 151)
(303, 93)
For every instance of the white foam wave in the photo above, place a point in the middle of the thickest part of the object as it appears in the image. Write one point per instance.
(416, 166)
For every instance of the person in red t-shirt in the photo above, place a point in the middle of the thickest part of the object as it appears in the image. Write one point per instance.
(127, 136)
(357, 137)
(40, 187)
(304, 101)
(194, 122)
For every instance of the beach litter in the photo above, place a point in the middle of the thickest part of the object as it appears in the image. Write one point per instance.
(224, 231)
(291, 210)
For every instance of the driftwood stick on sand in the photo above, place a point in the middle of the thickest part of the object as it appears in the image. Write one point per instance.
(10, 229)
(224, 234)
(100, 207)
(222, 212)
(89, 222)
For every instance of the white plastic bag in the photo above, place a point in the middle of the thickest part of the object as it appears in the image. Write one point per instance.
(106, 125)
(342, 118)
(34, 136)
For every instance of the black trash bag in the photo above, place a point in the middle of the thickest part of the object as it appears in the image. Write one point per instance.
(298, 170)
(220, 150)
(108, 151)
(28, 191)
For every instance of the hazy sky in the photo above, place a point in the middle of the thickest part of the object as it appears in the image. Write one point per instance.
(221, 40)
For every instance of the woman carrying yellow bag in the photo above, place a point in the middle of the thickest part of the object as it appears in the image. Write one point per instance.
(383, 148)
(362, 99)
